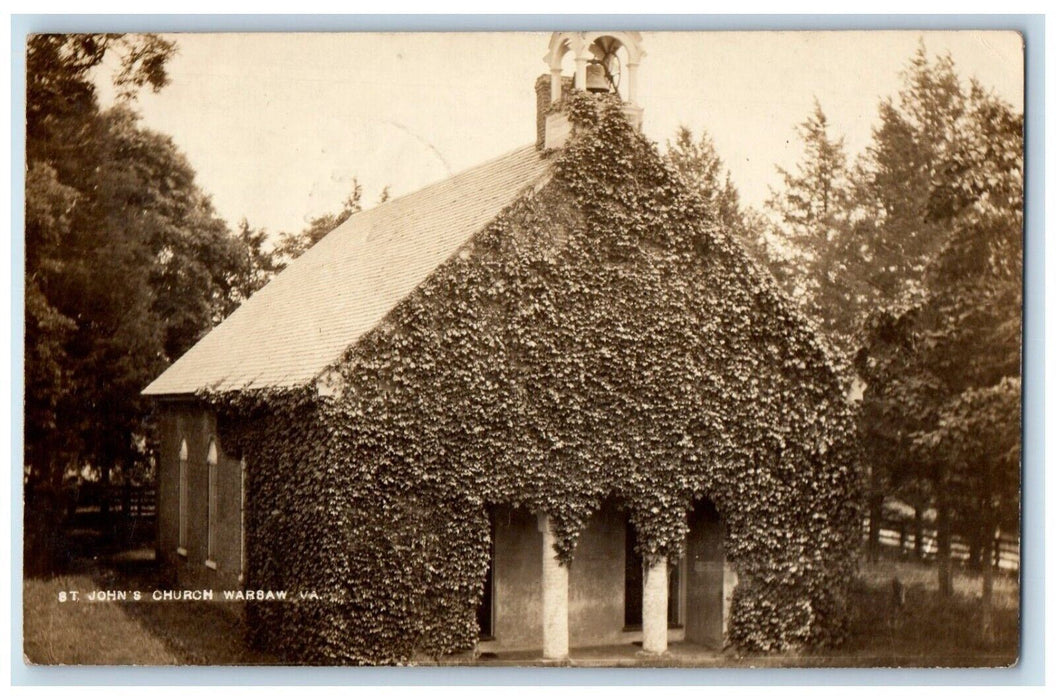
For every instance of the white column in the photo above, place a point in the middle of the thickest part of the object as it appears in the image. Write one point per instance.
(555, 596)
(555, 85)
(632, 83)
(654, 607)
(581, 72)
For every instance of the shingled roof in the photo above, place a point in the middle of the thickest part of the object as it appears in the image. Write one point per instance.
(320, 305)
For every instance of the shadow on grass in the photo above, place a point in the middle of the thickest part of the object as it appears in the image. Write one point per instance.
(149, 633)
(198, 632)
(59, 630)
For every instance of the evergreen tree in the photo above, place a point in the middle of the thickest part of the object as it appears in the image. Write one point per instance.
(292, 245)
(699, 165)
(971, 324)
(894, 240)
(942, 402)
(894, 236)
(260, 263)
(812, 213)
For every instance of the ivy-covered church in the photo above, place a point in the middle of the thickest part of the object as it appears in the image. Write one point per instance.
(546, 403)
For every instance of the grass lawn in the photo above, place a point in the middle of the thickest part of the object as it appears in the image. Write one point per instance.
(84, 633)
(926, 631)
(143, 633)
(929, 630)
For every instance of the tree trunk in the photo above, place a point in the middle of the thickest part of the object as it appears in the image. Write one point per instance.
(104, 507)
(918, 533)
(43, 514)
(125, 528)
(943, 555)
(876, 504)
(988, 584)
(976, 545)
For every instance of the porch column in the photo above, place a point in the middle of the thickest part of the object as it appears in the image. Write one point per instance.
(654, 607)
(555, 596)
(581, 72)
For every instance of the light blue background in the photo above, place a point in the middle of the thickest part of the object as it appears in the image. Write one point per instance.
(1030, 670)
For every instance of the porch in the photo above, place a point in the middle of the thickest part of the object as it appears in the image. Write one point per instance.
(607, 598)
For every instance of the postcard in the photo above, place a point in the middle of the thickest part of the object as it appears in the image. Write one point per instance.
(583, 348)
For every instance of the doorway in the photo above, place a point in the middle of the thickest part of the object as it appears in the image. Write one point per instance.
(486, 608)
(705, 564)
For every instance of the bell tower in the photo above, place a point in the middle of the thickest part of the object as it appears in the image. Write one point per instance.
(602, 62)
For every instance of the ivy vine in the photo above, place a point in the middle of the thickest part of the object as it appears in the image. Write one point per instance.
(601, 339)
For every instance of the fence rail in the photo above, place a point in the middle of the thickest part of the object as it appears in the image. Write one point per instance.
(125, 513)
(900, 535)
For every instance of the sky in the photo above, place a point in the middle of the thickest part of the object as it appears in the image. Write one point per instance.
(278, 125)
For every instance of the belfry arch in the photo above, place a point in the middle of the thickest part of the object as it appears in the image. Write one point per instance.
(592, 47)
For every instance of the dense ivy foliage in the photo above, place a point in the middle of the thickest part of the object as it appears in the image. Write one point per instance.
(602, 338)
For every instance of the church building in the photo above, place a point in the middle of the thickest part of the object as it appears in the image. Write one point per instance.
(544, 404)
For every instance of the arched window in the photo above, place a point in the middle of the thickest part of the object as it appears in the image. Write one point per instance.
(212, 459)
(181, 543)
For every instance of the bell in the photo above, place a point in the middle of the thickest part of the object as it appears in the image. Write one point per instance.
(596, 80)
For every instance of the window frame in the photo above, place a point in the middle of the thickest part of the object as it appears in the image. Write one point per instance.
(182, 497)
(212, 502)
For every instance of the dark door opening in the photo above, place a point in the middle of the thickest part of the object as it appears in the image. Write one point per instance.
(674, 590)
(484, 609)
(633, 580)
(705, 558)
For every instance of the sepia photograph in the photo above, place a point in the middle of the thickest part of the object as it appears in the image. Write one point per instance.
(600, 348)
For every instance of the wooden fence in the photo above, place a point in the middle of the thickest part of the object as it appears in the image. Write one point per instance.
(899, 535)
(124, 514)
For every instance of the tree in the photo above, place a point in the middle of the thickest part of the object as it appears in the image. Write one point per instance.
(127, 264)
(978, 436)
(812, 212)
(971, 323)
(951, 383)
(292, 246)
(47, 331)
(891, 243)
(259, 264)
(699, 165)
(61, 114)
(897, 404)
(60, 95)
(894, 236)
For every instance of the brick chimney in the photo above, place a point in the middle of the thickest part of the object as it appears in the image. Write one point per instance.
(542, 104)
